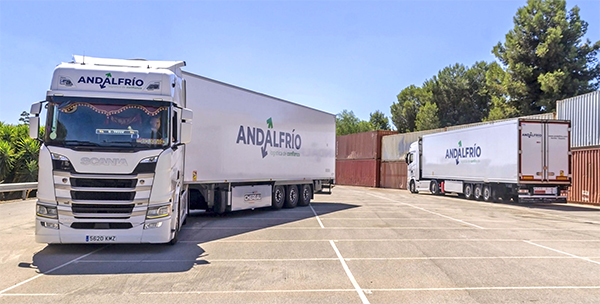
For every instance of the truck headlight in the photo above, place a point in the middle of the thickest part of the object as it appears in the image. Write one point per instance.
(158, 211)
(151, 159)
(47, 211)
(61, 162)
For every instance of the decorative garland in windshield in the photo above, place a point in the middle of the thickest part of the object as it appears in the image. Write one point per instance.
(109, 110)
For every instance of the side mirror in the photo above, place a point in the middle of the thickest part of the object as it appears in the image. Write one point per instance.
(34, 127)
(186, 126)
(36, 108)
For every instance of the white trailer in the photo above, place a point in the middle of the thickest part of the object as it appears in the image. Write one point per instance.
(519, 159)
(130, 146)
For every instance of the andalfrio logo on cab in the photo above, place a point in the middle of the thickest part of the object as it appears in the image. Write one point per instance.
(270, 138)
(109, 80)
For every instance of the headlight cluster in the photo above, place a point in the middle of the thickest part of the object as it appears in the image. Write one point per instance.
(61, 162)
(47, 211)
(158, 211)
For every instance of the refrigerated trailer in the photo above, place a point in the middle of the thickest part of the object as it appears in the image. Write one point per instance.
(131, 146)
(518, 159)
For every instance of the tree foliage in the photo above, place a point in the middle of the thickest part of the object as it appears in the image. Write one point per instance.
(427, 118)
(347, 123)
(545, 57)
(18, 154)
(379, 121)
(404, 111)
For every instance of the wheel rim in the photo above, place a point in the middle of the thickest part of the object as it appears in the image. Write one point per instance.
(305, 194)
(278, 195)
(468, 191)
(486, 193)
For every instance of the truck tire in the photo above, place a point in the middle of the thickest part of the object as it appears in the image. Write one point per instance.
(434, 187)
(487, 193)
(219, 207)
(468, 191)
(305, 195)
(175, 238)
(412, 187)
(278, 197)
(291, 197)
(478, 191)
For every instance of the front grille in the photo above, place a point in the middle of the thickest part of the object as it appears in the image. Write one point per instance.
(102, 208)
(103, 196)
(103, 183)
(101, 225)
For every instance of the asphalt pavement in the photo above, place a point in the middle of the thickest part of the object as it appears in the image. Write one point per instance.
(358, 245)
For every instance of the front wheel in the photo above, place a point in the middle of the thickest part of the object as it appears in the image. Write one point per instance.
(412, 187)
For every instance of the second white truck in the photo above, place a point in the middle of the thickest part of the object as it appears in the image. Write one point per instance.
(518, 159)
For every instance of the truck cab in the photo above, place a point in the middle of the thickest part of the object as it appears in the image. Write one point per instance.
(111, 159)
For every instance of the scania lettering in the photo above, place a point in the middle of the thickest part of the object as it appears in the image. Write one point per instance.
(131, 146)
(517, 159)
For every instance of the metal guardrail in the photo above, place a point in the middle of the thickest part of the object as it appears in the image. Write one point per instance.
(14, 187)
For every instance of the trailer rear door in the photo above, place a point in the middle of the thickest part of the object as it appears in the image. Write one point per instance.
(557, 151)
(544, 151)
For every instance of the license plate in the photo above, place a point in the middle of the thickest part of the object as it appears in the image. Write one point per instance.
(544, 190)
(100, 238)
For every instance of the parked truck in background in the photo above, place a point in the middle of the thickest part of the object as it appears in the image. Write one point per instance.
(130, 146)
(518, 159)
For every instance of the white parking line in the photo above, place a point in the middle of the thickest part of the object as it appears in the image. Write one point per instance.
(562, 252)
(333, 259)
(246, 291)
(384, 240)
(423, 209)
(315, 213)
(486, 288)
(52, 270)
(360, 292)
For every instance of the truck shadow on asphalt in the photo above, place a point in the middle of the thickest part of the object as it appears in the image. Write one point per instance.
(78, 259)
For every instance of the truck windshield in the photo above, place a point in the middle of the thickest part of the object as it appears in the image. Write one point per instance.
(107, 123)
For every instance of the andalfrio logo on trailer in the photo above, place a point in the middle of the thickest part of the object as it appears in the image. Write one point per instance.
(270, 138)
(109, 80)
(463, 152)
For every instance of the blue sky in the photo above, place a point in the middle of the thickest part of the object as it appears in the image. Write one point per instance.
(330, 55)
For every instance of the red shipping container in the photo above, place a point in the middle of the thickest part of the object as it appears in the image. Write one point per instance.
(585, 187)
(357, 172)
(393, 175)
(366, 145)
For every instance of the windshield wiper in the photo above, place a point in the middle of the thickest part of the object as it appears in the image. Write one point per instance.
(79, 142)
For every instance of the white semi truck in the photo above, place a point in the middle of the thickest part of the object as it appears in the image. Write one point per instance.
(130, 146)
(518, 159)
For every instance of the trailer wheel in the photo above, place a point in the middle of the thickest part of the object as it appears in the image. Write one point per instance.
(412, 187)
(291, 198)
(478, 192)
(304, 196)
(278, 197)
(487, 193)
(468, 191)
(434, 187)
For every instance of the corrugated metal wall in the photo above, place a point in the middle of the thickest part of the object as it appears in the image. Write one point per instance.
(357, 172)
(393, 175)
(366, 145)
(586, 176)
(584, 113)
(394, 147)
